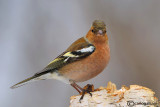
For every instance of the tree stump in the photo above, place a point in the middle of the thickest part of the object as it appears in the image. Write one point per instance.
(133, 96)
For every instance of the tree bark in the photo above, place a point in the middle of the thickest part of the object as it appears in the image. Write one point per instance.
(133, 96)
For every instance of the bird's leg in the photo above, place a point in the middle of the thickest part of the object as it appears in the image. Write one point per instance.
(87, 89)
(75, 86)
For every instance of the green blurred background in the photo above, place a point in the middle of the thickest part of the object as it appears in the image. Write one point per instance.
(34, 32)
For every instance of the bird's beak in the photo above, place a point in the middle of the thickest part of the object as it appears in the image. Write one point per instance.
(100, 33)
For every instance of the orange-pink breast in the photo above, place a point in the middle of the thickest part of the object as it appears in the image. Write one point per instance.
(89, 67)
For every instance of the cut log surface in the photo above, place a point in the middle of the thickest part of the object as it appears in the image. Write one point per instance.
(133, 96)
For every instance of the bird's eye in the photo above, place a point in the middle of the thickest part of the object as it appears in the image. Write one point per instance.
(92, 30)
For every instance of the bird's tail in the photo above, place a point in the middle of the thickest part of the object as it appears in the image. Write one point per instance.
(31, 79)
(38, 76)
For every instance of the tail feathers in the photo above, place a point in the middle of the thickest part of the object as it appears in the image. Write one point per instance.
(28, 80)
(36, 77)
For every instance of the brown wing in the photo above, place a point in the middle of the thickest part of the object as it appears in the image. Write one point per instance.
(78, 44)
(77, 51)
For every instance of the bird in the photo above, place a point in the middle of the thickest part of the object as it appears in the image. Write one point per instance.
(82, 60)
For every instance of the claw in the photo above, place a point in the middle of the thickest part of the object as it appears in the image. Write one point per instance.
(87, 89)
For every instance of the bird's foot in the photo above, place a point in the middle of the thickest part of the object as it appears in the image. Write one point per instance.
(87, 89)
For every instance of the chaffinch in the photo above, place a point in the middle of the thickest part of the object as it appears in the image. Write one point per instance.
(83, 60)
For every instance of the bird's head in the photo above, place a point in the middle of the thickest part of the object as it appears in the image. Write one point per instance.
(97, 33)
(98, 28)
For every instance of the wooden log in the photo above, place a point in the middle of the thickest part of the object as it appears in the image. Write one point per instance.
(133, 96)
